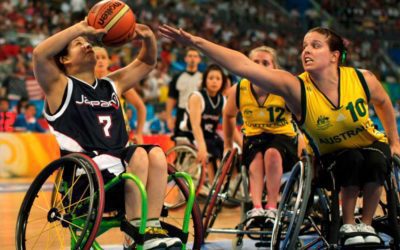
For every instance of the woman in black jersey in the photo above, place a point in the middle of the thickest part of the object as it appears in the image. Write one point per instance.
(85, 115)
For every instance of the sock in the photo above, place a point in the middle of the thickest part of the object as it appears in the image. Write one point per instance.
(269, 207)
(135, 222)
(153, 222)
(258, 206)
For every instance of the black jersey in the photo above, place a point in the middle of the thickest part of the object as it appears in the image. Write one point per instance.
(90, 118)
(210, 116)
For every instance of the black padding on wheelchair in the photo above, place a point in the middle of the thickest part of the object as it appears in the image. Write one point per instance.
(174, 231)
(132, 231)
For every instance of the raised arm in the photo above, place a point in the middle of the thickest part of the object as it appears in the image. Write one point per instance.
(229, 120)
(384, 109)
(50, 77)
(134, 72)
(274, 81)
(133, 98)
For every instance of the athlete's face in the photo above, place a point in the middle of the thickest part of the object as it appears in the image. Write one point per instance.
(102, 59)
(80, 52)
(263, 58)
(192, 59)
(214, 81)
(316, 53)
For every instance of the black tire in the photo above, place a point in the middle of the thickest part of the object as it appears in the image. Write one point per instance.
(184, 159)
(51, 216)
(220, 186)
(290, 215)
(172, 217)
(389, 222)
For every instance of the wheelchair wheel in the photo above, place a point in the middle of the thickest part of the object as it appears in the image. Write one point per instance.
(172, 217)
(63, 207)
(292, 207)
(184, 159)
(389, 222)
(219, 190)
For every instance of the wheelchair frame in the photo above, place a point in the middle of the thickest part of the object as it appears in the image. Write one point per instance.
(84, 229)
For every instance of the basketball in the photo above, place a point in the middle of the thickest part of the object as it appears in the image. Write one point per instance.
(116, 17)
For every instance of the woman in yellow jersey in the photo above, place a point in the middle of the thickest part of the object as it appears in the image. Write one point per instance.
(270, 143)
(331, 104)
(101, 70)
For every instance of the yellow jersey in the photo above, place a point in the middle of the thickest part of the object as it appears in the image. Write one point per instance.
(332, 128)
(271, 117)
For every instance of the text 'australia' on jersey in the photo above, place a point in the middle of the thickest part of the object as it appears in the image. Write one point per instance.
(90, 118)
(348, 125)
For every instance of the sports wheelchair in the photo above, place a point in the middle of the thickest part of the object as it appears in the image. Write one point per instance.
(60, 212)
(184, 157)
(226, 187)
(309, 216)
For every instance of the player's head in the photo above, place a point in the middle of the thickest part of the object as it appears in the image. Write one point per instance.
(265, 56)
(214, 79)
(78, 55)
(322, 48)
(102, 61)
(192, 59)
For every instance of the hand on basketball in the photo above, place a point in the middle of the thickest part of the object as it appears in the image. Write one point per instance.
(93, 34)
(142, 32)
(177, 35)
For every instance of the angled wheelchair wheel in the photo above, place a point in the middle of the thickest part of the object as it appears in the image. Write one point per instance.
(184, 159)
(63, 207)
(292, 207)
(389, 222)
(219, 190)
(172, 216)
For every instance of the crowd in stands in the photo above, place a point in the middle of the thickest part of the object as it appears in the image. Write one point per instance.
(239, 24)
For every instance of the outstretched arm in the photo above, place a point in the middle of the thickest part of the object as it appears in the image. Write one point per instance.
(384, 109)
(142, 65)
(274, 81)
(133, 98)
(229, 120)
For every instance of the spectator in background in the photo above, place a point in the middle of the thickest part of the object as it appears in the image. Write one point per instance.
(7, 117)
(27, 121)
(180, 88)
(21, 106)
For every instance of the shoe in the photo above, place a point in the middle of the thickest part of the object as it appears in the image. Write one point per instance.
(157, 238)
(252, 215)
(350, 235)
(271, 215)
(370, 234)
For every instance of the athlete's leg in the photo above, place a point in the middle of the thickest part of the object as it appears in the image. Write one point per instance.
(139, 166)
(157, 181)
(349, 199)
(371, 196)
(273, 174)
(256, 175)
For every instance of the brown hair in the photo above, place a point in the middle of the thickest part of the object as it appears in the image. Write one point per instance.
(335, 42)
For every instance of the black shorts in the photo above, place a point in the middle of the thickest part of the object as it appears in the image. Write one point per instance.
(287, 147)
(356, 167)
(215, 147)
(115, 197)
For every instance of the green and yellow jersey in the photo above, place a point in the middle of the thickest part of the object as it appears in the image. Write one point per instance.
(332, 128)
(271, 117)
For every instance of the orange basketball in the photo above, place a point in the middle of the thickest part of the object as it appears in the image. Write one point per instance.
(116, 17)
